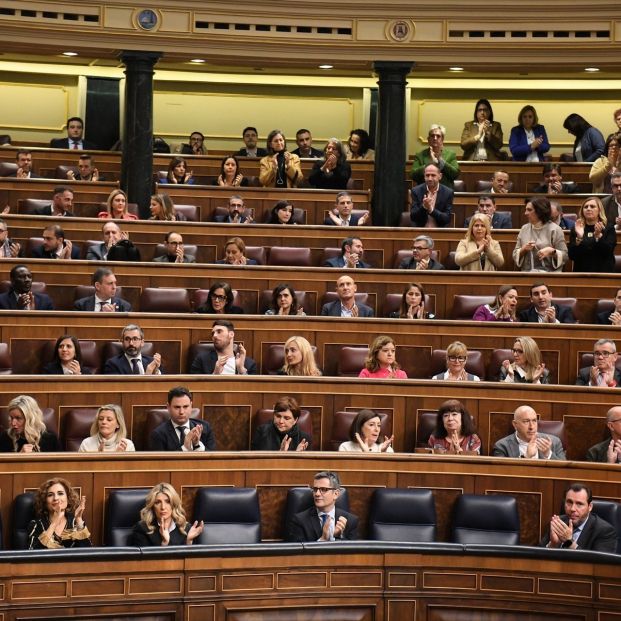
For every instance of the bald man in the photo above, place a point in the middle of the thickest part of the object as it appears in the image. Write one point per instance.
(609, 451)
(346, 305)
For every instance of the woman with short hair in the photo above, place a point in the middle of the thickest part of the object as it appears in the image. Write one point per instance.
(108, 432)
(456, 358)
(455, 431)
(364, 435)
(332, 172)
(283, 433)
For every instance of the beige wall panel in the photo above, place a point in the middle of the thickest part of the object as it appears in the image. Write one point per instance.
(118, 17)
(176, 21)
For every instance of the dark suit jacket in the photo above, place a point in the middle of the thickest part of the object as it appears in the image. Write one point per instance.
(88, 304)
(442, 211)
(41, 253)
(410, 264)
(261, 152)
(63, 143)
(611, 209)
(96, 253)
(563, 314)
(187, 258)
(248, 262)
(305, 526)
(55, 368)
(568, 188)
(599, 452)
(32, 175)
(205, 363)
(165, 437)
(142, 538)
(584, 376)
(47, 211)
(118, 365)
(340, 262)
(315, 153)
(48, 443)
(597, 535)
(353, 220)
(227, 219)
(499, 221)
(333, 309)
(9, 302)
(604, 318)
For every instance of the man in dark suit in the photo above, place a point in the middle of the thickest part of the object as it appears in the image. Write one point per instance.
(580, 528)
(305, 148)
(432, 203)
(20, 295)
(603, 372)
(132, 361)
(487, 205)
(23, 159)
(346, 305)
(111, 235)
(180, 432)
(223, 359)
(553, 181)
(174, 250)
(74, 139)
(104, 300)
(613, 318)
(323, 521)
(60, 207)
(421, 258)
(352, 250)
(55, 246)
(237, 212)
(542, 310)
(86, 170)
(612, 203)
(250, 137)
(342, 214)
(609, 451)
(556, 216)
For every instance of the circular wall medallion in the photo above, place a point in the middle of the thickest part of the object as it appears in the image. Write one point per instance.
(147, 19)
(400, 30)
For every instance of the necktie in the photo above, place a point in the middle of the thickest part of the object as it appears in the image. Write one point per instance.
(135, 367)
(323, 517)
(576, 533)
(76, 145)
(182, 431)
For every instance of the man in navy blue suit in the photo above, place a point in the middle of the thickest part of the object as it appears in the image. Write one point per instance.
(346, 305)
(55, 245)
(105, 299)
(543, 310)
(132, 361)
(487, 205)
(20, 295)
(342, 214)
(352, 250)
(432, 203)
(74, 139)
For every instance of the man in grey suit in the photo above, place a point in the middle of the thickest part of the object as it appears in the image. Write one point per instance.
(487, 205)
(346, 305)
(111, 235)
(526, 442)
(174, 250)
(104, 300)
(609, 451)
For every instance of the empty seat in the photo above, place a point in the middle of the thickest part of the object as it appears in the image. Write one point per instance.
(31, 205)
(554, 428)
(351, 360)
(474, 363)
(23, 513)
(459, 185)
(486, 519)
(160, 300)
(258, 253)
(465, 305)
(122, 512)
(289, 256)
(426, 426)
(341, 424)
(6, 364)
(33, 244)
(230, 514)
(7, 169)
(402, 515)
(187, 212)
(63, 169)
(76, 425)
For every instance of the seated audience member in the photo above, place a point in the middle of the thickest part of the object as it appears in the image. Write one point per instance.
(381, 361)
(487, 205)
(75, 138)
(178, 173)
(59, 521)
(237, 212)
(23, 159)
(304, 140)
(162, 208)
(281, 213)
(194, 146)
(226, 358)
(421, 256)
(503, 308)
(603, 372)
(606, 165)
(234, 253)
(580, 528)
(299, 358)
(612, 318)
(324, 521)
(364, 435)
(55, 246)
(61, 205)
(86, 170)
(283, 433)
(609, 451)
(412, 304)
(542, 309)
(163, 521)
(116, 207)
(436, 153)
(20, 295)
(358, 146)
(284, 302)
(230, 173)
(478, 251)
(526, 441)
(220, 301)
(500, 182)
(111, 235)
(612, 203)
(346, 305)
(592, 241)
(456, 358)
(342, 214)
(553, 181)
(556, 216)
(332, 172)
(27, 432)
(181, 432)
(481, 138)
(589, 143)
(527, 366)
(455, 431)
(67, 358)
(108, 432)
(105, 299)
(352, 251)
(132, 361)
(432, 203)
(528, 141)
(9, 249)
(279, 168)
(250, 136)
(175, 252)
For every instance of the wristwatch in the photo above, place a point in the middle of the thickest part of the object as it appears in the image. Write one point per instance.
(567, 543)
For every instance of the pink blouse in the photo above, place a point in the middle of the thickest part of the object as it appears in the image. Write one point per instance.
(383, 374)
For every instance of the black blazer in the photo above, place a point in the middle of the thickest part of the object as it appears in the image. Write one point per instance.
(333, 309)
(8, 301)
(227, 219)
(63, 143)
(597, 535)
(305, 526)
(410, 264)
(118, 365)
(41, 253)
(164, 258)
(205, 363)
(55, 368)
(353, 220)
(604, 318)
(499, 221)
(268, 438)
(563, 314)
(47, 211)
(261, 152)
(88, 304)
(48, 443)
(335, 181)
(442, 211)
(165, 437)
(568, 187)
(142, 538)
(340, 262)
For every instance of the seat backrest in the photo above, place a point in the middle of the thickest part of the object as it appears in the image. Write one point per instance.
(33, 244)
(164, 300)
(37, 287)
(76, 425)
(23, 513)
(301, 498)
(586, 360)
(465, 305)
(6, 363)
(189, 212)
(273, 358)
(554, 428)
(474, 363)
(305, 422)
(449, 261)
(351, 360)
(571, 302)
(398, 514)
(488, 519)
(289, 256)
(459, 185)
(605, 305)
(486, 185)
(495, 363)
(426, 426)
(611, 512)
(258, 253)
(30, 205)
(122, 512)
(63, 169)
(230, 514)
(405, 254)
(7, 168)
(341, 424)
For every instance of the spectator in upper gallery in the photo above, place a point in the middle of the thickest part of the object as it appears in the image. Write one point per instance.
(235, 253)
(230, 173)
(250, 136)
(23, 159)
(111, 235)
(162, 209)
(358, 146)
(603, 372)
(117, 207)
(352, 251)
(528, 141)
(542, 309)
(612, 318)
(27, 432)
(481, 138)
(237, 212)
(62, 202)
(305, 148)
(432, 203)
(500, 182)
(194, 146)
(436, 153)
(175, 252)
(612, 203)
(487, 205)
(606, 165)
(178, 173)
(589, 143)
(553, 181)
(86, 170)
(332, 172)
(478, 251)
(55, 245)
(131, 361)
(556, 216)
(9, 249)
(609, 451)
(20, 295)
(104, 299)
(421, 258)
(346, 305)
(279, 168)
(67, 358)
(74, 139)
(342, 214)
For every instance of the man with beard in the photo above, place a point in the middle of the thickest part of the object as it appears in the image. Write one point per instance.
(132, 361)
(237, 212)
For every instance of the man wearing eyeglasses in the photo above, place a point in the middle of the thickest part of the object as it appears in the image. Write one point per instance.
(421, 258)
(175, 252)
(131, 361)
(324, 521)
(609, 451)
(603, 373)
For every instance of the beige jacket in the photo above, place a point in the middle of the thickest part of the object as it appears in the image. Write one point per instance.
(468, 258)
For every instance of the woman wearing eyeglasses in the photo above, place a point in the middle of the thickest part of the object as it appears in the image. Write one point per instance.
(456, 358)
(455, 431)
(527, 367)
(220, 301)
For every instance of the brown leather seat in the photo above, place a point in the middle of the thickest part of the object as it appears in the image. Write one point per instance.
(405, 220)
(486, 186)
(63, 169)
(571, 302)
(406, 255)
(189, 212)
(341, 424)
(85, 291)
(298, 216)
(29, 206)
(37, 286)
(554, 428)
(160, 250)
(258, 253)
(586, 360)
(32, 244)
(351, 360)
(265, 299)
(7, 169)
(449, 261)
(195, 350)
(426, 424)
(465, 305)
(164, 300)
(305, 422)
(289, 256)
(6, 364)
(497, 358)
(474, 363)
(76, 425)
(604, 306)
(392, 303)
(459, 185)
(330, 253)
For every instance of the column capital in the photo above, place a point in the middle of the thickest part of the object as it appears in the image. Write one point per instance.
(131, 58)
(393, 68)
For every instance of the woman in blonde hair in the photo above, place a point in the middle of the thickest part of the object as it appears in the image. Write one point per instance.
(527, 367)
(162, 208)
(477, 251)
(163, 521)
(381, 361)
(108, 432)
(503, 309)
(456, 359)
(27, 432)
(116, 207)
(299, 358)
